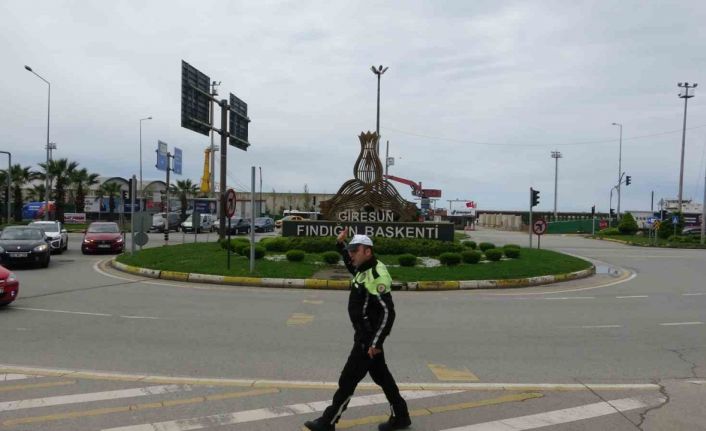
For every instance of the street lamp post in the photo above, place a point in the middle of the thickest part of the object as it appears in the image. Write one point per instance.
(620, 168)
(556, 155)
(684, 94)
(141, 190)
(46, 176)
(379, 72)
(9, 182)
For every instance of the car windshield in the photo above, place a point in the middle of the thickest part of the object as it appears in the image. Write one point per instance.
(261, 220)
(103, 228)
(22, 234)
(46, 227)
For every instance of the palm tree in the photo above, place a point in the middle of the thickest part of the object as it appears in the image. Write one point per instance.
(81, 180)
(20, 175)
(111, 190)
(36, 193)
(59, 170)
(184, 189)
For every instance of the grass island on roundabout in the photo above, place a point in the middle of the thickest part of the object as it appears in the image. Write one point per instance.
(419, 255)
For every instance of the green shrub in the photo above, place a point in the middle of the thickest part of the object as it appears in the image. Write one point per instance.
(666, 227)
(295, 255)
(506, 246)
(450, 259)
(331, 257)
(471, 256)
(470, 244)
(610, 231)
(494, 254)
(407, 260)
(235, 243)
(260, 252)
(512, 252)
(486, 246)
(275, 244)
(628, 225)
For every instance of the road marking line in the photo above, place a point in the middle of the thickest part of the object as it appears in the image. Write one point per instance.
(270, 413)
(633, 296)
(140, 317)
(312, 301)
(137, 407)
(557, 417)
(444, 373)
(299, 319)
(89, 397)
(63, 311)
(303, 384)
(10, 377)
(694, 294)
(627, 277)
(35, 386)
(681, 323)
(349, 423)
(572, 297)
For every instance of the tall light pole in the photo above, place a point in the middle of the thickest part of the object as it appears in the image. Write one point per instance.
(556, 155)
(379, 72)
(46, 176)
(141, 190)
(684, 94)
(620, 167)
(9, 182)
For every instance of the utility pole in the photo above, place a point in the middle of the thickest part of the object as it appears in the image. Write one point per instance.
(684, 94)
(556, 155)
(214, 93)
(379, 72)
(387, 156)
(620, 168)
(652, 202)
(260, 204)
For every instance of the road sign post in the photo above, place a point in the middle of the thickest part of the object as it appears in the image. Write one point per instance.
(539, 228)
(230, 212)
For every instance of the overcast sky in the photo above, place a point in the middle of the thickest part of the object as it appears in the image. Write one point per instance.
(476, 97)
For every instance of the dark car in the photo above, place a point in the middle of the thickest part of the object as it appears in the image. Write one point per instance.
(24, 244)
(159, 220)
(264, 224)
(103, 237)
(239, 225)
(9, 286)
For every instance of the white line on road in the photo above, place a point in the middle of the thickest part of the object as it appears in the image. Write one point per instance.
(89, 397)
(63, 311)
(270, 413)
(140, 317)
(681, 323)
(558, 417)
(633, 296)
(694, 294)
(9, 377)
(573, 297)
(601, 326)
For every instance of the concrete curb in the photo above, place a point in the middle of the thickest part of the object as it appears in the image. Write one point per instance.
(312, 283)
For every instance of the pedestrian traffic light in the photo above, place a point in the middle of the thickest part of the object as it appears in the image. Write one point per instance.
(535, 197)
(628, 180)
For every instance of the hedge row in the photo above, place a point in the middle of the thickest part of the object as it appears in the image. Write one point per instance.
(417, 247)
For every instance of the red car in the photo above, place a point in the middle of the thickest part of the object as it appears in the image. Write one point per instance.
(103, 237)
(9, 286)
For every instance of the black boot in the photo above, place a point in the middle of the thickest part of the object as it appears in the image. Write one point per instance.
(396, 423)
(320, 425)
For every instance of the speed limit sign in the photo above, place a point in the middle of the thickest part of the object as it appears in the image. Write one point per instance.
(230, 203)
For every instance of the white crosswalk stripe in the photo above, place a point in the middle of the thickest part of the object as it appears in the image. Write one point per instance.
(91, 397)
(11, 377)
(557, 417)
(270, 413)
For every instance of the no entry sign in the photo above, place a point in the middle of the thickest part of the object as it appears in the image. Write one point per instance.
(539, 227)
(230, 203)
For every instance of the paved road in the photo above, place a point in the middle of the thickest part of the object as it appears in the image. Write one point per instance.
(620, 329)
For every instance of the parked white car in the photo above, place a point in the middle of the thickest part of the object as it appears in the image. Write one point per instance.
(58, 236)
(207, 224)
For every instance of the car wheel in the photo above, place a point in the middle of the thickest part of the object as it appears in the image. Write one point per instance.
(45, 264)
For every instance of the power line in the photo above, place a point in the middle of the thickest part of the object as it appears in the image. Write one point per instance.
(500, 144)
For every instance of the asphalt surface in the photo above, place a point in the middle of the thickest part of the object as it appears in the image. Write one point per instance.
(640, 321)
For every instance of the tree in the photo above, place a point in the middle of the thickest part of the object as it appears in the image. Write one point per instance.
(36, 193)
(110, 189)
(80, 181)
(628, 225)
(184, 189)
(59, 172)
(19, 175)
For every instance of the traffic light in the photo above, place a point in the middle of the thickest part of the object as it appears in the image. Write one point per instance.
(129, 192)
(123, 195)
(535, 197)
(628, 180)
(612, 213)
(593, 211)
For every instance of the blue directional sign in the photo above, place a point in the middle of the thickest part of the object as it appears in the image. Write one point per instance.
(675, 220)
(162, 160)
(177, 161)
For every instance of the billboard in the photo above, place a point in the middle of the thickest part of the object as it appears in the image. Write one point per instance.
(177, 161)
(238, 123)
(162, 159)
(195, 99)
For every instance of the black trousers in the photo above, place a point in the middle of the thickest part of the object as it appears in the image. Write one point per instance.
(358, 365)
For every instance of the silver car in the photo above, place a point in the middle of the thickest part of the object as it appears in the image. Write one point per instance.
(58, 236)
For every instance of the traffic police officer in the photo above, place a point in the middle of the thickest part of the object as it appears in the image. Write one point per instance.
(372, 313)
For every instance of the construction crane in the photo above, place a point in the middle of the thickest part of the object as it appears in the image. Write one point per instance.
(206, 178)
(417, 189)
